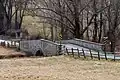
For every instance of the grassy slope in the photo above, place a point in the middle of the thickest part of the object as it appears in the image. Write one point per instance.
(58, 68)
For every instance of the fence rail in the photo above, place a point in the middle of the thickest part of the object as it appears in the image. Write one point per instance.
(93, 54)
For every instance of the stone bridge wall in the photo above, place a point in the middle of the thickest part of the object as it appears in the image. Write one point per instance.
(86, 44)
(47, 47)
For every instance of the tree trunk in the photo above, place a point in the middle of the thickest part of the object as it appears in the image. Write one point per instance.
(77, 29)
(112, 46)
(1, 19)
(95, 29)
(77, 24)
(95, 22)
(101, 26)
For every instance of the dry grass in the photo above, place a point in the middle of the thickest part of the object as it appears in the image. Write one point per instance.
(10, 53)
(58, 68)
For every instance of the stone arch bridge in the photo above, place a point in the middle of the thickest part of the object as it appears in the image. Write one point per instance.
(49, 48)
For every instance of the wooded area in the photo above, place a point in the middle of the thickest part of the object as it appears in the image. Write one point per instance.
(94, 20)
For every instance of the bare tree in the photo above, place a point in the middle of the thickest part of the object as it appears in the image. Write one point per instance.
(10, 10)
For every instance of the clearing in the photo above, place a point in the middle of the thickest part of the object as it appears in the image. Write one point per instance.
(58, 68)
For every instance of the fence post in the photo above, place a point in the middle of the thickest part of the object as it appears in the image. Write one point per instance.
(91, 54)
(11, 44)
(78, 53)
(105, 55)
(67, 51)
(83, 53)
(72, 52)
(114, 55)
(98, 55)
(4, 44)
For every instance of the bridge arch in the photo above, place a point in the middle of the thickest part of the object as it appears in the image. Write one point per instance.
(39, 53)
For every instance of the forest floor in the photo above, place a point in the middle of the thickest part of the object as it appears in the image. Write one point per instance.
(57, 68)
